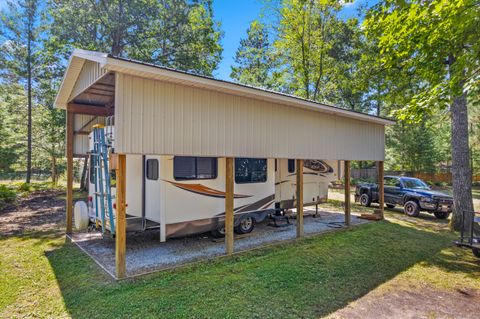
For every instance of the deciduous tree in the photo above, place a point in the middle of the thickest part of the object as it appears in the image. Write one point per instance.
(176, 33)
(438, 42)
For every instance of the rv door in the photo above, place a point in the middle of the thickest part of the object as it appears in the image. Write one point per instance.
(152, 188)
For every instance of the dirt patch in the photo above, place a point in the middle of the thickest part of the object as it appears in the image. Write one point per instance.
(39, 211)
(414, 302)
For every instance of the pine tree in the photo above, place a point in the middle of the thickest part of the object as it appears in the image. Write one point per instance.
(253, 61)
(19, 46)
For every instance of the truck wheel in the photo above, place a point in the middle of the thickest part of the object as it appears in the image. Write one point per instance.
(246, 225)
(441, 215)
(390, 206)
(476, 252)
(365, 200)
(411, 209)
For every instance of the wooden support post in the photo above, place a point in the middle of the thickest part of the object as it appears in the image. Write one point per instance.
(346, 172)
(69, 201)
(229, 220)
(299, 198)
(381, 190)
(121, 229)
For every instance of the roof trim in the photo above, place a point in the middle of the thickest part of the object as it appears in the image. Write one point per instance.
(74, 67)
(147, 70)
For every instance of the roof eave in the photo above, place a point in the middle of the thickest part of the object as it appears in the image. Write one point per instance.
(74, 66)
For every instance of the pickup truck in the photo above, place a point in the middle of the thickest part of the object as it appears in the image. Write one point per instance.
(411, 193)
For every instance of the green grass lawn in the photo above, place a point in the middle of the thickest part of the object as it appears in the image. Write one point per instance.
(44, 276)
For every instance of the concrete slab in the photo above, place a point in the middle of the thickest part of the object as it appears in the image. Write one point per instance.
(146, 254)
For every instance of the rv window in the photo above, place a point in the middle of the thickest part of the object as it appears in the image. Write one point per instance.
(250, 170)
(291, 166)
(188, 167)
(152, 169)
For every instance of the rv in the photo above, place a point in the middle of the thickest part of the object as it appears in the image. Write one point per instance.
(185, 195)
(317, 174)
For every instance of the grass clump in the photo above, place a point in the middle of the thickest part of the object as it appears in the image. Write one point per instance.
(7, 195)
(10, 191)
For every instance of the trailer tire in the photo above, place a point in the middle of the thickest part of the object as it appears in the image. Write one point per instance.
(476, 252)
(365, 200)
(246, 225)
(219, 232)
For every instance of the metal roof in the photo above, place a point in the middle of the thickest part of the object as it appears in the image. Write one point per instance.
(149, 70)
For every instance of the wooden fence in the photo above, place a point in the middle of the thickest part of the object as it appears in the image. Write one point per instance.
(371, 173)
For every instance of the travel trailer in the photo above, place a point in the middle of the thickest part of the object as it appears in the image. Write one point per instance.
(184, 195)
(317, 174)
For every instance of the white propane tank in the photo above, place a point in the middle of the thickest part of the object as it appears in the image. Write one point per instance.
(80, 213)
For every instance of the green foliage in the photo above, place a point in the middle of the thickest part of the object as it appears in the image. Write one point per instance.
(433, 47)
(7, 195)
(24, 187)
(176, 33)
(359, 181)
(436, 42)
(312, 53)
(11, 191)
(254, 62)
(305, 44)
(413, 147)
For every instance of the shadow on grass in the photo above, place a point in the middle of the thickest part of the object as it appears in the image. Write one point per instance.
(309, 278)
(455, 260)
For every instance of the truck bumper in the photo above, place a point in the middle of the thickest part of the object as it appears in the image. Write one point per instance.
(436, 207)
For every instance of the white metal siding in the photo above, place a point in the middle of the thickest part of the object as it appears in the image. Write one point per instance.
(156, 117)
(80, 141)
(91, 72)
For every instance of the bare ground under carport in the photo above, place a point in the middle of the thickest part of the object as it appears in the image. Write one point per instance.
(145, 253)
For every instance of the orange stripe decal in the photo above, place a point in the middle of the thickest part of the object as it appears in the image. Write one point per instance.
(204, 190)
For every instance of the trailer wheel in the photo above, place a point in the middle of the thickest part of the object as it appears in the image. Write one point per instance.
(476, 252)
(365, 200)
(246, 225)
(219, 232)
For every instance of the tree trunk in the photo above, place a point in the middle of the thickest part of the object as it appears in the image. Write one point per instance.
(117, 37)
(54, 171)
(461, 171)
(29, 89)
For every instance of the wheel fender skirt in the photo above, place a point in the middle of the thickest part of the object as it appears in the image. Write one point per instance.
(258, 216)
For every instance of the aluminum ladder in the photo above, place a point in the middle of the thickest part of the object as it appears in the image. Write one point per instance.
(101, 173)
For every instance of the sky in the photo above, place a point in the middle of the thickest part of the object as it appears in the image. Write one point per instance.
(236, 16)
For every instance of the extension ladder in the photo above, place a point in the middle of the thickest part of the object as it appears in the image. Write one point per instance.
(101, 173)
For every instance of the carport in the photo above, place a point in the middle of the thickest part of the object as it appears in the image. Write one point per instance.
(161, 111)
